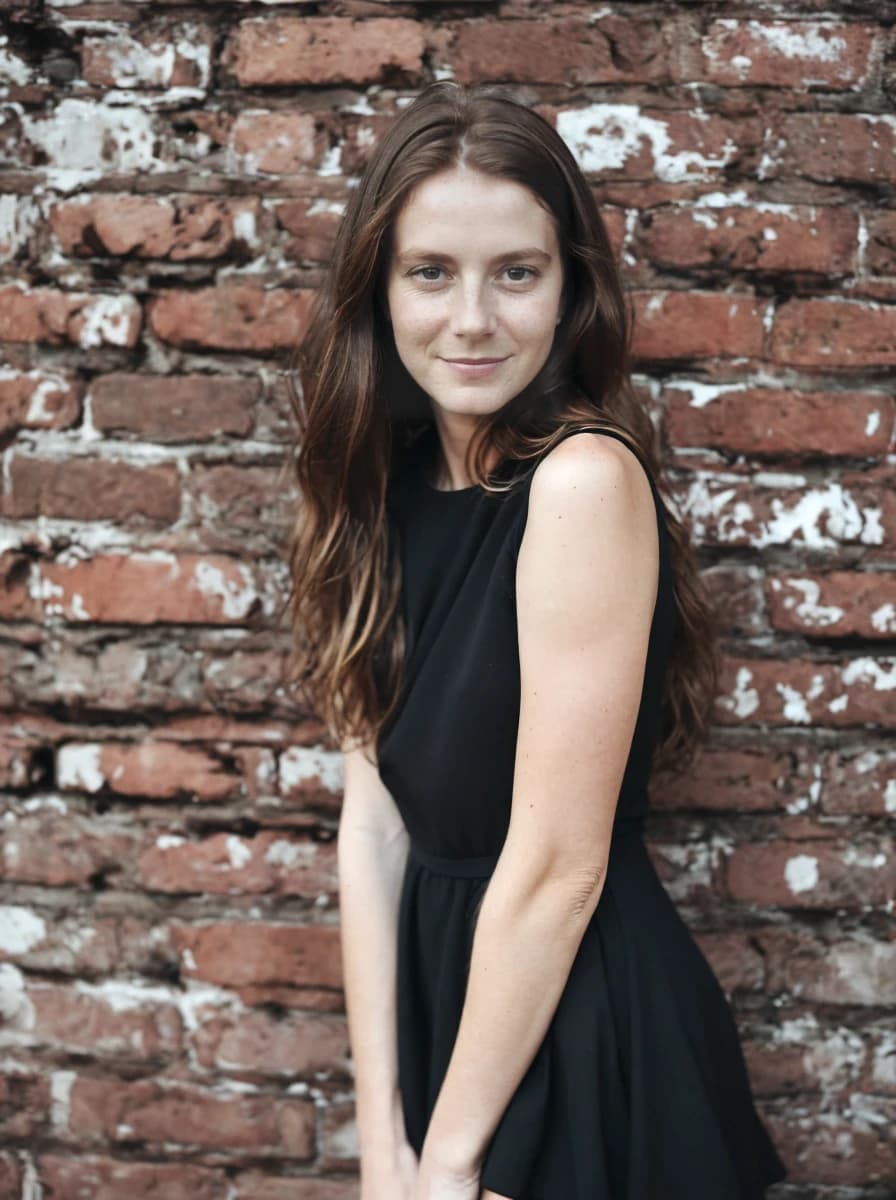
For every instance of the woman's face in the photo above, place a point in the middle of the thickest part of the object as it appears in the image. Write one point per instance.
(474, 290)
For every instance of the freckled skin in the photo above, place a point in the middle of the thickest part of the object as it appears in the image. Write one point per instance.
(465, 297)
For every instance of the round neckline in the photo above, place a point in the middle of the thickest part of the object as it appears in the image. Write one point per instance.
(429, 446)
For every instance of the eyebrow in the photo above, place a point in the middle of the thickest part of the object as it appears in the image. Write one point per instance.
(528, 252)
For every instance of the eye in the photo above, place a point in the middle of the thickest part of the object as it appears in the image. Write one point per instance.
(417, 273)
(528, 274)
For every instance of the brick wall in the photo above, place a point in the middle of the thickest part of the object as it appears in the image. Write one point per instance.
(172, 175)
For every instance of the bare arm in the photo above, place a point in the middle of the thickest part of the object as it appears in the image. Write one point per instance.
(372, 851)
(586, 587)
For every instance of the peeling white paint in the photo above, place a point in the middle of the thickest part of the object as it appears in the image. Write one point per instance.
(85, 140)
(16, 1009)
(301, 764)
(890, 796)
(125, 996)
(238, 852)
(289, 854)
(744, 700)
(236, 598)
(20, 929)
(883, 619)
(169, 841)
(61, 1084)
(106, 321)
(872, 423)
(78, 766)
(331, 162)
(800, 41)
(880, 674)
(808, 609)
(801, 873)
(604, 136)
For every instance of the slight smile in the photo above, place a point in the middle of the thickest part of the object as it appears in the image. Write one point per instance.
(474, 367)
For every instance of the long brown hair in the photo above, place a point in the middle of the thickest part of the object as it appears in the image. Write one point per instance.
(359, 408)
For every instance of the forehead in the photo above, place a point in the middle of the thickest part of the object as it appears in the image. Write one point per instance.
(467, 208)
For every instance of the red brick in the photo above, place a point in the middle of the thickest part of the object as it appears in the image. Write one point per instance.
(855, 969)
(833, 603)
(880, 253)
(10, 1175)
(164, 770)
(849, 1146)
(627, 141)
(313, 224)
(295, 1045)
(88, 1177)
(856, 691)
(144, 589)
(736, 592)
(180, 229)
(225, 863)
(48, 315)
(38, 400)
(19, 763)
(91, 489)
(690, 324)
(860, 781)
(831, 874)
(24, 1104)
(339, 1148)
(565, 51)
(791, 54)
(291, 50)
(276, 143)
(72, 945)
(253, 1185)
(176, 57)
(759, 777)
(111, 1021)
(743, 238)
(46, 844)
(830, 146)
(736, 958)
(779, 422)
(164, 1113)
(240, 502)
(175, 408)
(234, 316)
(834, 333)
(798, 1054)
(243, 955)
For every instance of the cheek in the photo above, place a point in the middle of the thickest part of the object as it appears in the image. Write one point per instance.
(413, 321)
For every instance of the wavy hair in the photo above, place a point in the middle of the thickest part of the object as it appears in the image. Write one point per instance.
(359, 409)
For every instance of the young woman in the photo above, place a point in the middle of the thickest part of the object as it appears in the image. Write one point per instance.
(502, 623)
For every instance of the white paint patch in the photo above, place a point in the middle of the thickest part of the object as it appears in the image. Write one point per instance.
(801, 873)
(61, 1084)
(744, 700)
(238, 852)
(12, 69)
(300, 764)
(85, 140)
(880, 674)
(819, 616)
(169, 841)
(883, 619)
(244, 227)
(107, 320)
(78, 766)
(289, 854)
(20, 929)
(795, 709)
(705, 393)
(236, 598)
(799, 41)
(331, 163)
(782, 479)
(604, 136)
(872, 423)
(890, 796)
(16, 1010)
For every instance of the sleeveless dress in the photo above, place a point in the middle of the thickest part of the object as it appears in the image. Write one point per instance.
(639, 1090)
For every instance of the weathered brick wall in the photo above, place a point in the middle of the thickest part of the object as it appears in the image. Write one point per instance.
(172, 175)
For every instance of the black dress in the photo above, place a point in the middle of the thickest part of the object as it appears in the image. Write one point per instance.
(639, 1089)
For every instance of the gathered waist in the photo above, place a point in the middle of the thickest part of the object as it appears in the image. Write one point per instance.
(481, 866)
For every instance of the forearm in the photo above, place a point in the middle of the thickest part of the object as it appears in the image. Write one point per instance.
(371, 868)
(526, 940)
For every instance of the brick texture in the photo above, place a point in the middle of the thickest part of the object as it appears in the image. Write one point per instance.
(171, 1009)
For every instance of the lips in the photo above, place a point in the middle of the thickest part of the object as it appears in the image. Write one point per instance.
(474, 362)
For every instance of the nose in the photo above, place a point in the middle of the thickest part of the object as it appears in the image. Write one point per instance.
(472, 313)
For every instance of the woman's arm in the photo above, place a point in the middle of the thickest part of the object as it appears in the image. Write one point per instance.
(372, 849)
(586, 587)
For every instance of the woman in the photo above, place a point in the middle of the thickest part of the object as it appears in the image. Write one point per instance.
(503, 625)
